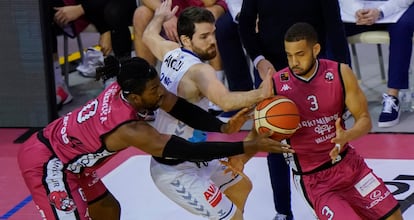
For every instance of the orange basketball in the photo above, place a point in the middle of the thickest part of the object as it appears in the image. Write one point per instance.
(278, 114)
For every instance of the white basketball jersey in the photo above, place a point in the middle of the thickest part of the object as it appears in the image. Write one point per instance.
(175, 64)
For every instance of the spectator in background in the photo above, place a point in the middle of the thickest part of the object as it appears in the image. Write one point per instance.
(262, 25)
(118, 16)
(71, 17)
(235, 64)
(145, 12)
(400, 49)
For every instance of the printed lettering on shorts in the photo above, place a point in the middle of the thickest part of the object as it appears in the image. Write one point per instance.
(82, 194)
(93, 178)
(87, 160)
(213, 195)
(58, 195)
(377, 196)
(326, 211)
(367, 184)
(42, 213)
(290, 160)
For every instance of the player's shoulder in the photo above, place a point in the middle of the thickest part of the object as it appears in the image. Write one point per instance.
(201, 68)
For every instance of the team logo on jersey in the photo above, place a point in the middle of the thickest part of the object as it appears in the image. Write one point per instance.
(329, 76)
(284, 76)
(285, 87)
(61, 201)
(213, 195)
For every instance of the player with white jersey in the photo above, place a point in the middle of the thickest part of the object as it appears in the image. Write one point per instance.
(176, 63)
(201, 187)
(333, 177)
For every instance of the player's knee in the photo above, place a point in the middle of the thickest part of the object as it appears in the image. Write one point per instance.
(142, 16)
(106, 208)
(397, 215)
(246, 184)
(238, 215)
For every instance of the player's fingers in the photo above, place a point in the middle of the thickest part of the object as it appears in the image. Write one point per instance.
(287, 150)
(335, 152)
(270, 71)
(229, 168)
(338, 123)
(245, 112)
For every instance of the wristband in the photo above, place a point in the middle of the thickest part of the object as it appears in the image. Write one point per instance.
(338, 146)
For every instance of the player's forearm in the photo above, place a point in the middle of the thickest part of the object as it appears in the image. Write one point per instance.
(179, 148)
(152, 31)
(195, 117)
(237, 100)
(154, 27)
(361, 127)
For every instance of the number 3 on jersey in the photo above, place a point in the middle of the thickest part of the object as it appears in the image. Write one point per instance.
(313, 102)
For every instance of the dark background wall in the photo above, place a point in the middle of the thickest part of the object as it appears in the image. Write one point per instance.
(25, 63)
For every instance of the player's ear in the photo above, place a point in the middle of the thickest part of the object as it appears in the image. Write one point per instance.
(185, 40)
(134, 98)
(316, 50)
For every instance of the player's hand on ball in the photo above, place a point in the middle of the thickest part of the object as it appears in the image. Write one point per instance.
(263, 143)
(237, 121)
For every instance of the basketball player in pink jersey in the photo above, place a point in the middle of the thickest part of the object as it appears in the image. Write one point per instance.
(329, 173)
(58, 163)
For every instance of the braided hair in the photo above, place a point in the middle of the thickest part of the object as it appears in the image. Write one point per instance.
(132, 74)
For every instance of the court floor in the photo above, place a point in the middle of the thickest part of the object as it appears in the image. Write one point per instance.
(127, 176)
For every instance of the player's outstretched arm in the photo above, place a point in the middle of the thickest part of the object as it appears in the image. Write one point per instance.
(143, 136)
(198, 118)
(203, 75)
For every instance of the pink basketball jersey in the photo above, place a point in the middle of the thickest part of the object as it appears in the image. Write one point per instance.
(320, 100)
(76, 138)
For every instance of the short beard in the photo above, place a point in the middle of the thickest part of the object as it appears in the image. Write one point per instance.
(305, 72)
(204, 55)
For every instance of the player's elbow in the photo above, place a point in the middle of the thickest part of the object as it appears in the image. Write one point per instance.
(226, 106)
(367, 124)
(146, 38)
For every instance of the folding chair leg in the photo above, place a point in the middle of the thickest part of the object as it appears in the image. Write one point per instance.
(66, 59)
(356, 62)
(381, 62)
(80, 46)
